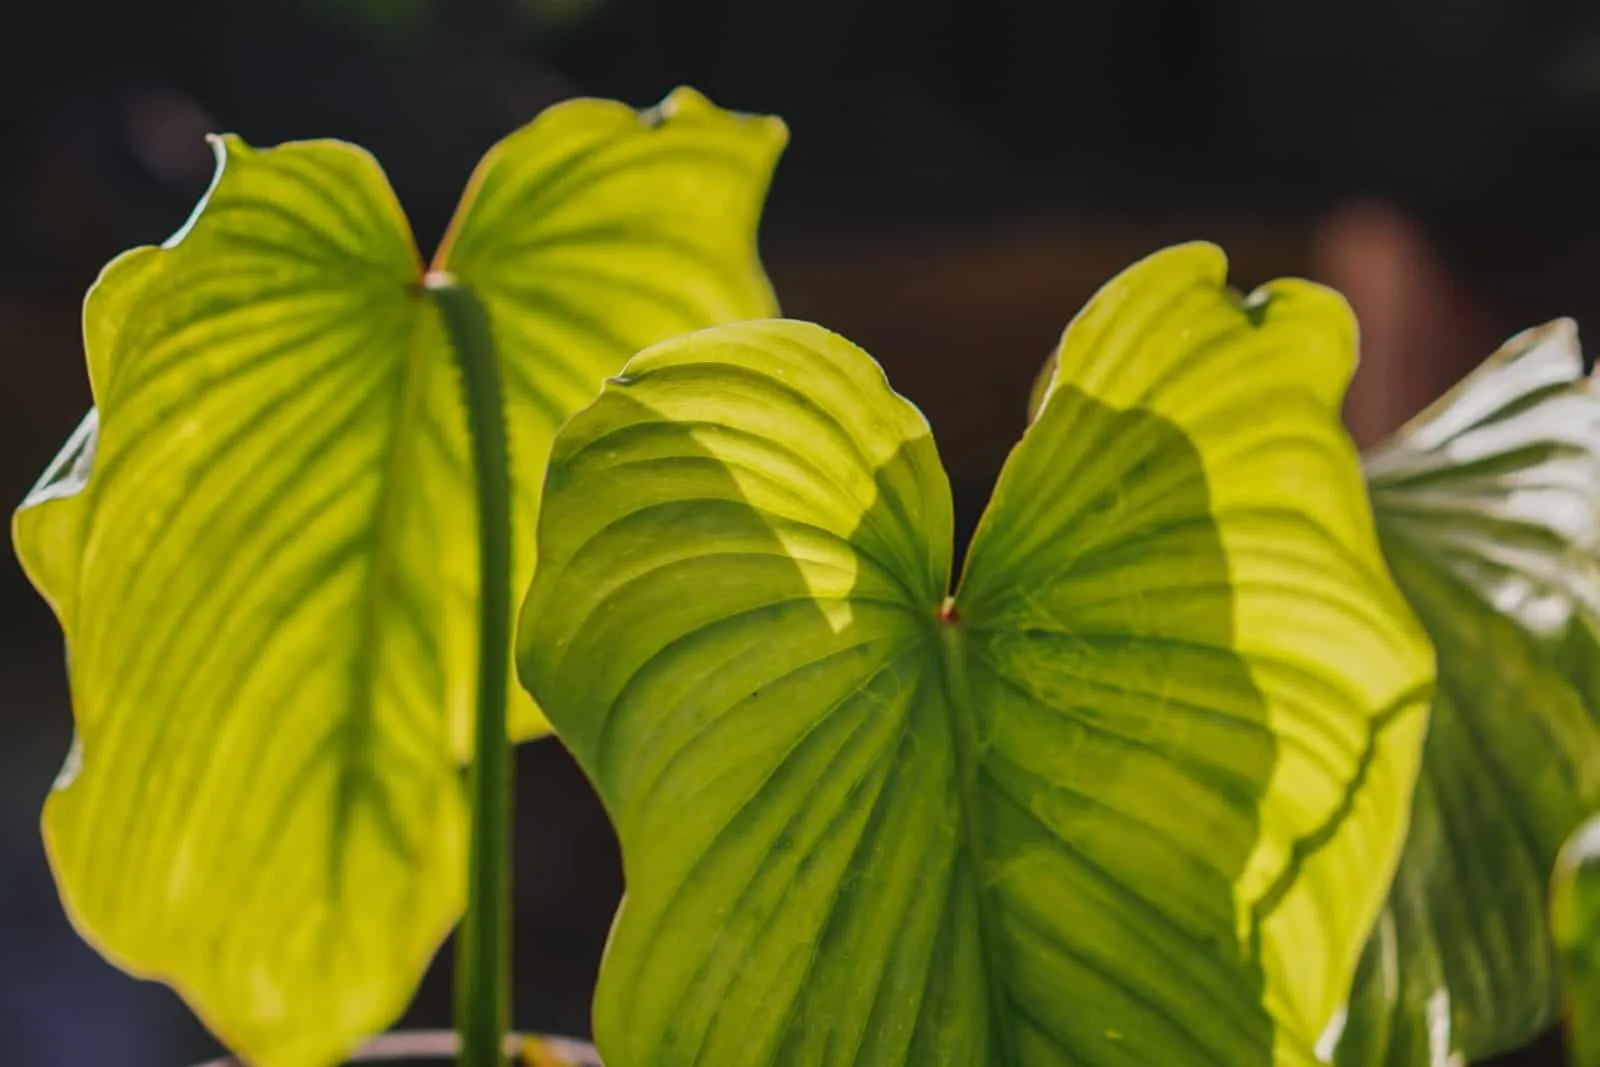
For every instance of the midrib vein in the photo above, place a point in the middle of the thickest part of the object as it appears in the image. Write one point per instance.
(963, 726)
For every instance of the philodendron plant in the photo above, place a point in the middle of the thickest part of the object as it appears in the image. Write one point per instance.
(1129, 792)
(263, 546)
(868, 822)
(1135, 789)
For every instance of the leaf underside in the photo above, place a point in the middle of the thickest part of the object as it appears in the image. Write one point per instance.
(1488, 509)
(1132, 797)
(262, 548)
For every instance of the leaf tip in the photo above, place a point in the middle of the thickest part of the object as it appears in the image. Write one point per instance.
(1201, 251)
(224, 146)
(682, 102)
(690, 104)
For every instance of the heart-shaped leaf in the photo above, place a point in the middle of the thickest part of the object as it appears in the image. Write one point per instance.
(262, 544)
(1488, 509)
(1132, 796)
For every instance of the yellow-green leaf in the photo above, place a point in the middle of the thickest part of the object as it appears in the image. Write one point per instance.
(592, 233)
(261, 545)
(1131, 796)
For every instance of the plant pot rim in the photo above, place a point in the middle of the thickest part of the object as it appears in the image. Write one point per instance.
(413, 1046)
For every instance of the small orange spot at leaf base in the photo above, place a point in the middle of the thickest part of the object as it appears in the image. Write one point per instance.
(948, 612)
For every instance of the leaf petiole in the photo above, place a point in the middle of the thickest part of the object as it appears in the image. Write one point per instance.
(483, 944)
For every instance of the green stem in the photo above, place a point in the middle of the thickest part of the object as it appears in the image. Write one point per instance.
(483, 944)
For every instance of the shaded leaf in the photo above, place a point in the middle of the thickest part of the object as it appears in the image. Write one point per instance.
(1575, 925)
(1488, 509)
(1133, 796)
(262, 544)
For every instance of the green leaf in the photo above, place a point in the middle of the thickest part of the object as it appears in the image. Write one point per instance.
(1488, 509)
(1575, 926)
(1131, 797)
(262, 549)
(592, 233)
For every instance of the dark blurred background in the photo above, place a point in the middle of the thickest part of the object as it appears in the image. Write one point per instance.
(961, 176)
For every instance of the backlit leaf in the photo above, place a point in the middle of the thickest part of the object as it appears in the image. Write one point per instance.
(1131, 797)
(262, 548)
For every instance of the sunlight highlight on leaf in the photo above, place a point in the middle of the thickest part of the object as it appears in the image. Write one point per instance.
(1133, 797)
(261, 544)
